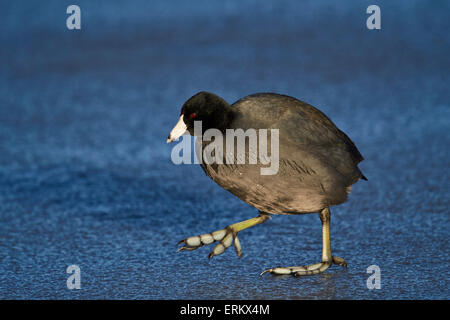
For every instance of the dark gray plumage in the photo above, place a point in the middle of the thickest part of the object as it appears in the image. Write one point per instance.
(318, 162)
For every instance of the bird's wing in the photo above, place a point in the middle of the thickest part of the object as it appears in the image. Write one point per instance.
(304, 132)
(307, 132)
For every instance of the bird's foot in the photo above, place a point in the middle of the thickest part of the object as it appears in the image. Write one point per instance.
(307, 270)
(226, 238)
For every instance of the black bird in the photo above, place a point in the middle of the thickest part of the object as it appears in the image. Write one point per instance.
(317, 165)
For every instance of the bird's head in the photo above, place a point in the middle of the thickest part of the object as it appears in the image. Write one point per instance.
(210, 109)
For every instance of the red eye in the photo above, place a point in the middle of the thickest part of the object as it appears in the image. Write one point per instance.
(193, 115)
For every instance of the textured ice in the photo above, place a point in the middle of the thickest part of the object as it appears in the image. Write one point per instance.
(86, 176)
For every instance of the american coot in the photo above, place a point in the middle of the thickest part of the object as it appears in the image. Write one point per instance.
(317, 166)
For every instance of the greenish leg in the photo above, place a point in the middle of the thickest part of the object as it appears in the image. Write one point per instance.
(327, 258)
(226, 237)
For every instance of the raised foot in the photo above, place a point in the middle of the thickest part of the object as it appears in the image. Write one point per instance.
(226, 237)
(306, 270)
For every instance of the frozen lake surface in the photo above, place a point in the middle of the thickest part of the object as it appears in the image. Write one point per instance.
(85, 171)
